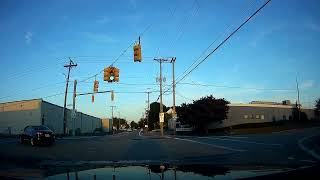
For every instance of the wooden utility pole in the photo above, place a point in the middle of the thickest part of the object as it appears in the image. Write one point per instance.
(112, 116)
(162, 60)
(174, 114)
(298, 93)
(69, 66)
(74, 107)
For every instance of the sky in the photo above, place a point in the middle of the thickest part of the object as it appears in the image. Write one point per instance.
(260, 62)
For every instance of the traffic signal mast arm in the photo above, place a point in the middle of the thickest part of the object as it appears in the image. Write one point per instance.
(98, 92)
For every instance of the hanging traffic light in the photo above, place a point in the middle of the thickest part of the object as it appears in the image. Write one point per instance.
(111, 74)
(112, 95)
(106, 74)
(115, 74)
(137, 53)
(95, 86)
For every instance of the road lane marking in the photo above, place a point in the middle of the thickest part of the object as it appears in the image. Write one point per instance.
(236, 137)
(242, 141)
(306, 160)
(309, 151)
(212, 145)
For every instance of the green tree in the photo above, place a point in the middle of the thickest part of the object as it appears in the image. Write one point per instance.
(134, 125)
(153, 117)
(296, 112)
(141, 122)
(202, 112)
(123, 122)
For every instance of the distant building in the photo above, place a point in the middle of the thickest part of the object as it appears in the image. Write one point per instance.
(259, 112)
(14, 116)
(107, 125)
(255, 112)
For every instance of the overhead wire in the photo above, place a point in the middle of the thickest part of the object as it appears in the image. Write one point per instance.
(220, 44)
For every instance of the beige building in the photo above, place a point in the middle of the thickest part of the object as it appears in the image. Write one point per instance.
(259, 112)
(14, 116)
(255, 112)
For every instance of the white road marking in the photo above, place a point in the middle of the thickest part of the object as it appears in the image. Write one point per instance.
(284, 131)
(310, 151)
(236, 137)
(242, 141)
(306, 160)
(291, 158)
(212, 145)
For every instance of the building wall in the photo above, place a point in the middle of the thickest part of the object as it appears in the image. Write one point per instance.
(15, 116)
(257, 113)
(107, 125)
(52, 116)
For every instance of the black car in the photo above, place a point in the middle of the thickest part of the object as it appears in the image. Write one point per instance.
(37, 135)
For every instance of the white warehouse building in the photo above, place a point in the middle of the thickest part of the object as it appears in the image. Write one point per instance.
(15, 116)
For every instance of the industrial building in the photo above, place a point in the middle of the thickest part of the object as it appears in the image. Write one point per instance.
(256, 112)
(15, 116)
(259, 112)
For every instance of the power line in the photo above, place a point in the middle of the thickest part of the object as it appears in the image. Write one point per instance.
(226, 39)
(238, 87)
(215, 40)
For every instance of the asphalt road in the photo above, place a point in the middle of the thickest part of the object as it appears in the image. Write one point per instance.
(275, 149)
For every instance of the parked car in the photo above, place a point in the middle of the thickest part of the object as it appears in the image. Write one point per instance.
(129, 130)
(37, 135)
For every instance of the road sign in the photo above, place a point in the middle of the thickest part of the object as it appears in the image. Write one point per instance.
(161, 117)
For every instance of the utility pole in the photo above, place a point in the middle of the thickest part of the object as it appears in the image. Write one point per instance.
(74, 107)
(161, 114)
(298, 93)
(174, 114)
(148, 109)
(119, 119)
(112, 114)
(69, 66)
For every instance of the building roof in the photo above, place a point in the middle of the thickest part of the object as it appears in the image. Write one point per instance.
(261, 105)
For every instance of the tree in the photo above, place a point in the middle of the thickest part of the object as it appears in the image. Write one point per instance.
(153, 117)
(134, 125)
(141, 123)
(296, 112)
(123, 122)
(317, 108)
(202, 112)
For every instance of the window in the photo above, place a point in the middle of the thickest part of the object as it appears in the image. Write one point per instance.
(257, 116)
(246, 116)
(262, 116)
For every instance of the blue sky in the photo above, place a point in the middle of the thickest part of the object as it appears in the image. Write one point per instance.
(278, 45)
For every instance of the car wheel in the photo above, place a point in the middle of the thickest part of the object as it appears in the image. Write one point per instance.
(32, 142)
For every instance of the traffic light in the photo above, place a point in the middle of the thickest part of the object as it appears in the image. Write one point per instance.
(95, 86)
(92, 98)
(115, 74)
(112, 95)
(111, 72)
(106, 74)
(137, 56)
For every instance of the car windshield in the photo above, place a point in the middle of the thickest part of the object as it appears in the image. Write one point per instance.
(158, 87)
(40, 128)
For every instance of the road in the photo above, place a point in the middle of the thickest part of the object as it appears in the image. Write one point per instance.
(275, 149)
